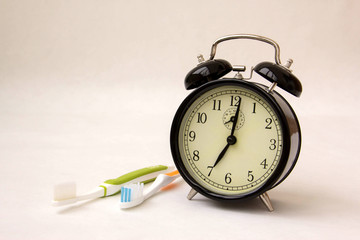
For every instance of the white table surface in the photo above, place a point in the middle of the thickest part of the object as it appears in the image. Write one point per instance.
(88, 90)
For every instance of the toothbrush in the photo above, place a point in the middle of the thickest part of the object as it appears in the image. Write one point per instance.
(65, 193)
(133, 195)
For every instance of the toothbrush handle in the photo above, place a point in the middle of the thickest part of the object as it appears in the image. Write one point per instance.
(148, 174)
(136, 174)
(161, 181)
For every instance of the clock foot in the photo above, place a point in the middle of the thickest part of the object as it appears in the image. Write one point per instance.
(191, 194)
(266, 200)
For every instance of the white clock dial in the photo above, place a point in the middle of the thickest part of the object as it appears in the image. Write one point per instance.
(204, 131)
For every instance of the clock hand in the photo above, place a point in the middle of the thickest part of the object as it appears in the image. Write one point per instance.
(221, 155)
(231, 120)
(231, 140)
(235, 118)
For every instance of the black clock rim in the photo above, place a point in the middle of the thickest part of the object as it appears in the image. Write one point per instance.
(174, 137)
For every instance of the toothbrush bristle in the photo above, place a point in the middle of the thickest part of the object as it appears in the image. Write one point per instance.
(131, 192)
(64, 191)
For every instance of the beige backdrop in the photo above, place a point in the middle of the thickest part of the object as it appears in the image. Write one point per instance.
(88, 90)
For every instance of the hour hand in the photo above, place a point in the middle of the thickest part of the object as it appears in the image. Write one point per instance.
(221, 155)
(231, 140)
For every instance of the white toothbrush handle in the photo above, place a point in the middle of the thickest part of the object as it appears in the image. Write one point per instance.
(161, 181)
(96, 193)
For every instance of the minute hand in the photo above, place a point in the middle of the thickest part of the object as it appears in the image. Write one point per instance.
(231, 140)
(235, 118)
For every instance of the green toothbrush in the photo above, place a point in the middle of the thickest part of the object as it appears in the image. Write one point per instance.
(65, 193)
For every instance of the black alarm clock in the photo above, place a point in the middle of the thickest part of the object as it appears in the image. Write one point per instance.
(234, 139)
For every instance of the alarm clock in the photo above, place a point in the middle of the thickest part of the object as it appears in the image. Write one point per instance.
(234, 139)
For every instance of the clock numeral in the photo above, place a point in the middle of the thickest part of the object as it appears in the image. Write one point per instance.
(254, 108)
(268, 121)
(217, 105)
(192, 136)
(234, 100)
(264, 164)
(272, 144)
(202, 118)
(196, 156)
(228, 178)
(250, 176)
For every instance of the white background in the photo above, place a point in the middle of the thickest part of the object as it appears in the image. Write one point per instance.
(88, 90)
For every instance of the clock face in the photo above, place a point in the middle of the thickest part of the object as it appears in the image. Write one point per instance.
(230, 139)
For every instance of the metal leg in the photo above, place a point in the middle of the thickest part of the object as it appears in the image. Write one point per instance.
(191, 194)
(266, 200)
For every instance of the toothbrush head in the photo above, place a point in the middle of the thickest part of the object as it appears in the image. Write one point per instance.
(132, 195)
(64, 193)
